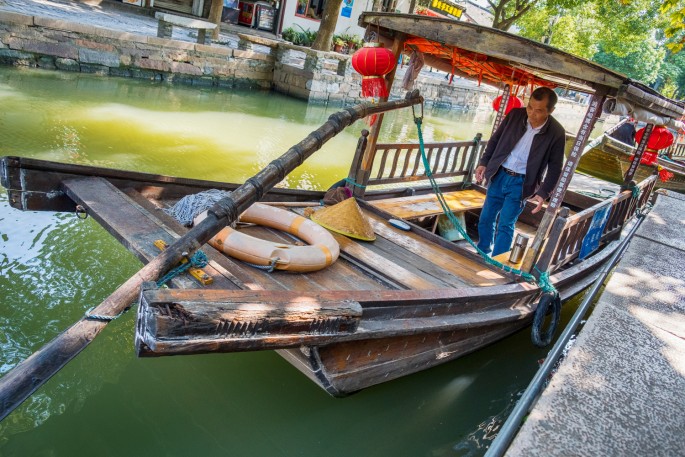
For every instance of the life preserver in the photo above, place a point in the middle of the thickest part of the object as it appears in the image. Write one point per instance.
(322, 251)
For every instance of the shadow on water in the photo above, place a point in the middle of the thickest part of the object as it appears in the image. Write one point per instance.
(53, 267)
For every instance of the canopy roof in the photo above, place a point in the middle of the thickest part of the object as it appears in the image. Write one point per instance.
(497, 57)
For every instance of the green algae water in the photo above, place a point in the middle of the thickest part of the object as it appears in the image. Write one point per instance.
(54, 267)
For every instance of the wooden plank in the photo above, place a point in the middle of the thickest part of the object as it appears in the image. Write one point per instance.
(257, 316)
(468, 270)
(416, 206)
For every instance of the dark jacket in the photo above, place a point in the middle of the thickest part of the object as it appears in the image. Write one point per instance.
(546, 152)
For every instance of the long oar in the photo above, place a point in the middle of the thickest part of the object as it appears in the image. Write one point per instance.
(24, 379)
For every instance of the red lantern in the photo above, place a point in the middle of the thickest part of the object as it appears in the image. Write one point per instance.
(514, 102)
(661, 138)
(373, 62)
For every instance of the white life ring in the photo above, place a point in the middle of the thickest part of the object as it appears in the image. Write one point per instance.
(322, 251)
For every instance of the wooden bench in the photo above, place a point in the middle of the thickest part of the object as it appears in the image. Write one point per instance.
(168, 21)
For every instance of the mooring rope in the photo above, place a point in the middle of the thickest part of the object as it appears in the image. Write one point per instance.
(543, 281)
(187, 208)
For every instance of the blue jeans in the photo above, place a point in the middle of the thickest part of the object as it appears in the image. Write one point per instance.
(504, 199)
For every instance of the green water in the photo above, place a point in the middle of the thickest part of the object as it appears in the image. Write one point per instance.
(53, 267)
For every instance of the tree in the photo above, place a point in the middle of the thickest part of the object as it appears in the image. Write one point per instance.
(329, 19)
(675, 11)
(507, 12)
(642, 64)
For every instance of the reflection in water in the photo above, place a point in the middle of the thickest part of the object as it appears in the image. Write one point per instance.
(53, 267)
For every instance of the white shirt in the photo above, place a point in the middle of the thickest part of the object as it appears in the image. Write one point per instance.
(518, 159)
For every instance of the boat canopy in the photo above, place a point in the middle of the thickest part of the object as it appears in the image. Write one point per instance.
(501, 58)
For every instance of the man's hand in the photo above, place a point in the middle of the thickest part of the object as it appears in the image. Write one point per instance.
(480, 174)
(538, 200)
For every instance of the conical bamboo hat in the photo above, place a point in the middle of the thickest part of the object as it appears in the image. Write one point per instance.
(346, 218)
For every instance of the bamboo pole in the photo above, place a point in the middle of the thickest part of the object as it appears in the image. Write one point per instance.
(25, 378)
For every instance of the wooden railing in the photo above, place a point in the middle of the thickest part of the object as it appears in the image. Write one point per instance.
(568, 232)
(401, 162)
(678, 150)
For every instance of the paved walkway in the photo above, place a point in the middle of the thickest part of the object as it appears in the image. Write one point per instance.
(115, 16)
(621, 390)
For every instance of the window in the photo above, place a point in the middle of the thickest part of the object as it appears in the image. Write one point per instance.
(312, 9)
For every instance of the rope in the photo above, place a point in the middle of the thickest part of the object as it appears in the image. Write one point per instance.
(268, 268)
(187, 208)
(197, 260)
(102, 317)
(542, 282)
(354, 183)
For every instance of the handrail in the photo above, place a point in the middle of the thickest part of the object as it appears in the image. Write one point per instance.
(566, 243)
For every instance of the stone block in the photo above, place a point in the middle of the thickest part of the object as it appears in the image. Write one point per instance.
(90, 56)
(69, 26)
(94, 45)
(122, 36)
(121, 72)
(11, 55)
(100, 70)
(185, 68)
(67, 64)
(240, 54)
(47, 63)
(151, 64)
(15, 18)
(52, 49)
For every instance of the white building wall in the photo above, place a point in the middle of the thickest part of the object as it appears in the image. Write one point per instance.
(344, 24)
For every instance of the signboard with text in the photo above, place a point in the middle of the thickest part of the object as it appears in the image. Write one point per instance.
(446, 8)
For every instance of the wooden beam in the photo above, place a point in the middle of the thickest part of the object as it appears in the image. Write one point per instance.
(508, 49)
(637, 157)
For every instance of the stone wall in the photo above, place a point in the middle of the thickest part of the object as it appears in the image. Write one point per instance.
(314, 76)
(56, 44)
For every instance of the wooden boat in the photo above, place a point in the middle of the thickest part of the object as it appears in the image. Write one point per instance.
(405, 302)
(609, 159)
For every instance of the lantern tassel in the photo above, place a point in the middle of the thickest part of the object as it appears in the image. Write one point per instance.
(665, 175)
(374, 86)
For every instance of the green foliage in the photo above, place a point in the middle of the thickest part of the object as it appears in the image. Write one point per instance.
(301, 38)
(674, 10)
(642, 64)
(628, 36)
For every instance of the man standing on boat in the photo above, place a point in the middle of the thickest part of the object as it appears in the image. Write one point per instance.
(527, 147)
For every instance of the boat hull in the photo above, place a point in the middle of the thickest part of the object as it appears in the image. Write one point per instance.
(610, 161)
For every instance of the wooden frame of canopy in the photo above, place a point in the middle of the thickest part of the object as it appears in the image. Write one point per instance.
(503, 59)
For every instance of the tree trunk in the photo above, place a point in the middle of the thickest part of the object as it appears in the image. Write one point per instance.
(215, 16)
(328, 22)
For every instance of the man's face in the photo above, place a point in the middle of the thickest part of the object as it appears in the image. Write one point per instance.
(538, 112)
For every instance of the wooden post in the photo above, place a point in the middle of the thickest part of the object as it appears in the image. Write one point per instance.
(25, 378)
(356, 174)
(215, 11)
(506, 94)
(638, 156)
(473, 159)
(367, 160)
(591, 116)
(547, 254)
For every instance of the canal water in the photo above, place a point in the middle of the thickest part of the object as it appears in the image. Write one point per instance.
(54, 267)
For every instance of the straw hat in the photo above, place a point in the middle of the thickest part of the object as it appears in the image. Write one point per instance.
(346, 218)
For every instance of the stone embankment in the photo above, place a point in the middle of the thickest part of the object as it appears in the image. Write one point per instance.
(249, 62)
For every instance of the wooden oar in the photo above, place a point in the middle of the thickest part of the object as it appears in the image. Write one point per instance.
(24, 379)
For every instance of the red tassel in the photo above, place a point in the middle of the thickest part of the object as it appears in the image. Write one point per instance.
(370, 120)
(374, 86)
(665, 175)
